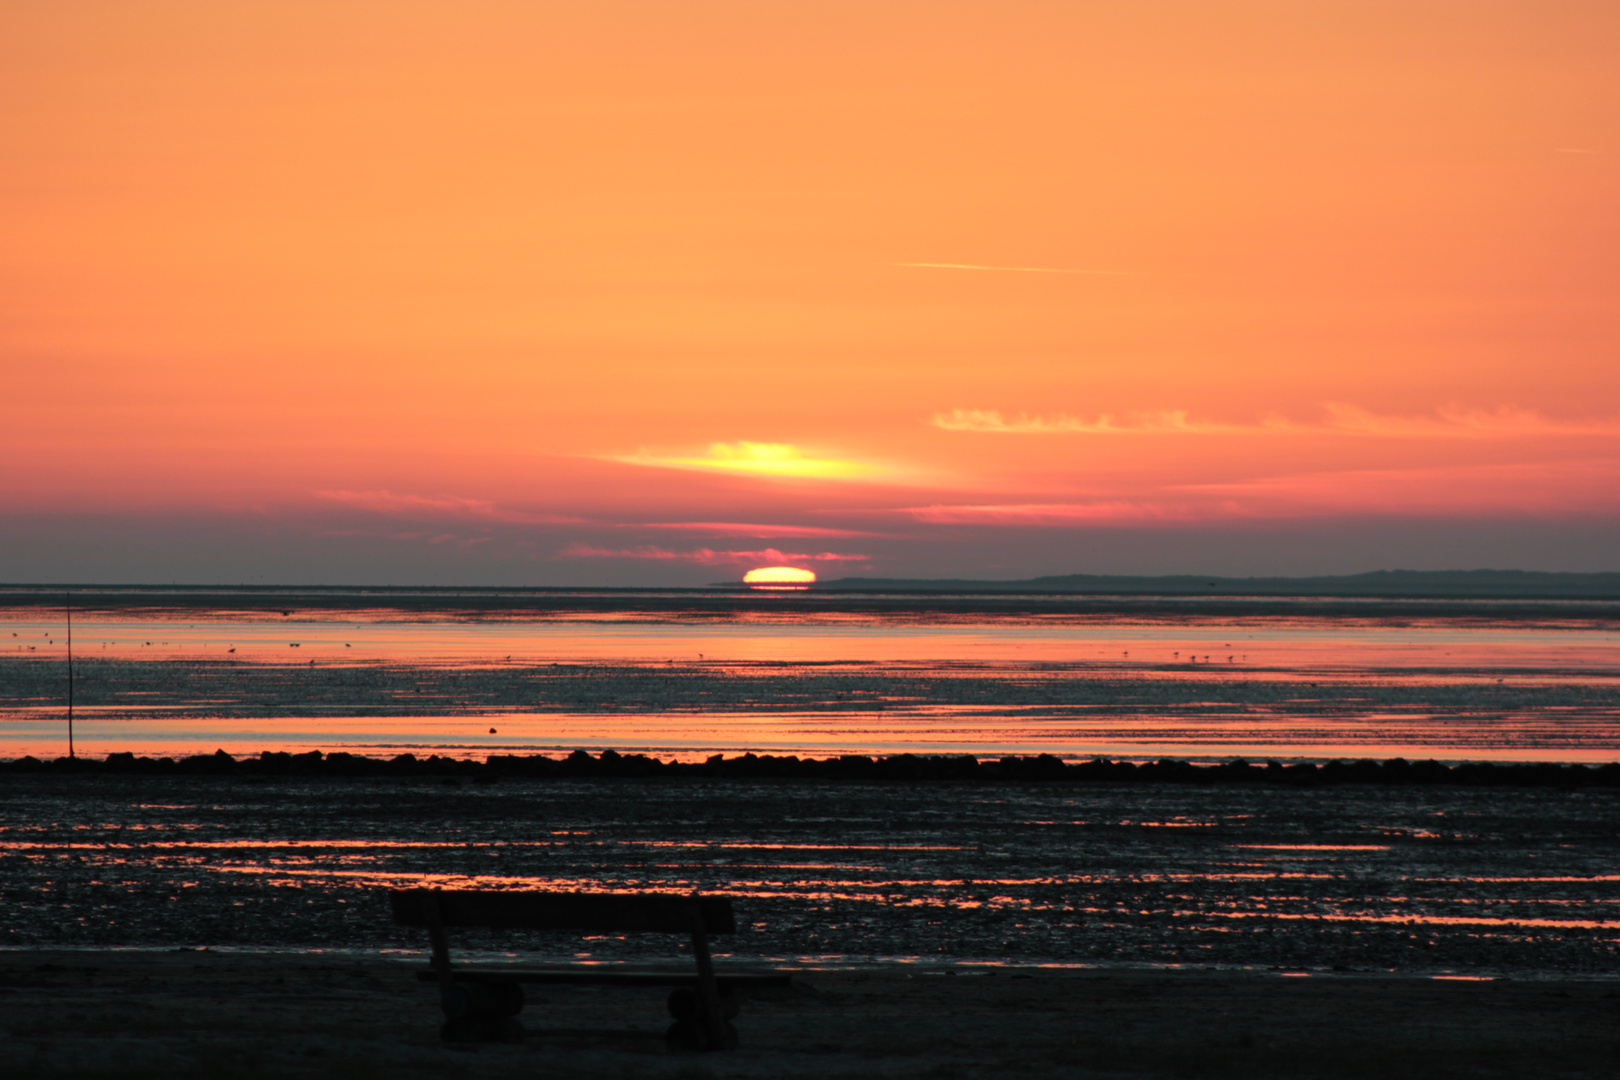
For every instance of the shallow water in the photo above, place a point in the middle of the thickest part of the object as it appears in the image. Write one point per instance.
(692, 674)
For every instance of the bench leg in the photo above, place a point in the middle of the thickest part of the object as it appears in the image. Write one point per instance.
(719, 1035)
(472, 1012)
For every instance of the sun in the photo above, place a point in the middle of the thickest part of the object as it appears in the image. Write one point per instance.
(778, 578)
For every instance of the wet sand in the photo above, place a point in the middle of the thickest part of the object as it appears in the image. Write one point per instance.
(1373, 879)
(196, 1013)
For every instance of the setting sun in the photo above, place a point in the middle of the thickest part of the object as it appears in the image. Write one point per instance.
(780, 577)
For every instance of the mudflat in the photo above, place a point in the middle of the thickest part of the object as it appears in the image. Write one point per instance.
(185, 1013)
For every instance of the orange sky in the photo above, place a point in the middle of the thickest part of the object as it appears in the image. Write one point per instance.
(657, 292)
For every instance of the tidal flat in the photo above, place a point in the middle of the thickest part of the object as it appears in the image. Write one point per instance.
(1424, 880)
(170, 921)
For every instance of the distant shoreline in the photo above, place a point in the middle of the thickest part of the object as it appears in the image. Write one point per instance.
(1551, 600)
(1378, 584)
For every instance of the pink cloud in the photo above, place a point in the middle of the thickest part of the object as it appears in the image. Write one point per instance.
(731, 528)
(1571, 488)
(1050, 513)
(1459, 422)
(1447, 422)
(1566, 487)
(706, 556)
(396, 505)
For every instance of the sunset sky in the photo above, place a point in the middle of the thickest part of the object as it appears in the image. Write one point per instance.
(658, 293)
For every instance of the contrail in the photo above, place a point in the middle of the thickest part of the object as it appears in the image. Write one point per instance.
(1014, 269)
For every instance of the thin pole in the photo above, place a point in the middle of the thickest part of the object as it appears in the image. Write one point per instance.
(69, 606)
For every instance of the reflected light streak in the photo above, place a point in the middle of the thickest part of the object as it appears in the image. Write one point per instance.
(882, 892)
(228, 845)
(1416, 920)
(1311, 847)
(724, 846)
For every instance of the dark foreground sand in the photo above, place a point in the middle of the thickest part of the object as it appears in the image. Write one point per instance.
(194, 1013)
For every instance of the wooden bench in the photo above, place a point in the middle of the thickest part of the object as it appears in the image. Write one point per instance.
(483, 1003)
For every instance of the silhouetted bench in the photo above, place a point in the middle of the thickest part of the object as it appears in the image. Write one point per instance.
(483, 1003)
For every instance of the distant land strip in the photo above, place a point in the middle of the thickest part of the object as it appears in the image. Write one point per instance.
(900, 768)
(1411, 584)
(286, 599)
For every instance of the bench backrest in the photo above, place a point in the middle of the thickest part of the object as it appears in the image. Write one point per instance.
(585, 913)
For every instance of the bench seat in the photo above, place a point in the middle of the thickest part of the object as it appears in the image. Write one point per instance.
(482, 1002)
(587, 976)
